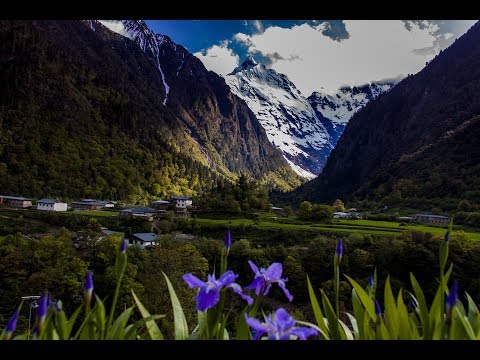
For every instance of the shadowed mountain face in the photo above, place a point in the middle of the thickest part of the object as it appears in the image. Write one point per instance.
(415, 144)
(88, 112)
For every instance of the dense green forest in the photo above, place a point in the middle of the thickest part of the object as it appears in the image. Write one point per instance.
(81, 115)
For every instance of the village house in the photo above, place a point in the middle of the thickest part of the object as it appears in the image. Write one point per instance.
(14, 201)
(51, 205)
(340, 215)
(277, 210)
(431, 219)
(86, 205)
(160, 204)
(142, 239)
(103, 203)
(182, 202)
(138, 212)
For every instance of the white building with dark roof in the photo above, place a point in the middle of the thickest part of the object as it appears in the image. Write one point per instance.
(182, 202)
(142, 239)
(51, 205)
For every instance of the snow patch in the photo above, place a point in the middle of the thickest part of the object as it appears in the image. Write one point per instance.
(140, 33)
(302, 172)
(115, 26)
(181, 64)
(340, 107)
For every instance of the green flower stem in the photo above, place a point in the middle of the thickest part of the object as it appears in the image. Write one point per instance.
(336, 283)
(120, 265)
(218, 317)
(223, 264)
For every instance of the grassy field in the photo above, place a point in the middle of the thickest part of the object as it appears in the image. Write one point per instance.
(341, 227)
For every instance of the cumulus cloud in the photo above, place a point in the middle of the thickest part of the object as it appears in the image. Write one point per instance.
(115, 26)
(219, 58)
(373, 50)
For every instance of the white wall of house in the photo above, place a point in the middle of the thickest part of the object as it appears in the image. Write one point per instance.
(182, 204)
(142, 244)
(59, 206)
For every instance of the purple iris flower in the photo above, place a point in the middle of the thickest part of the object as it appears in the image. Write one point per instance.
(339, 250)
(264, 278)
(42, 308)
(209, 292)
(447, 236)
(371, 282)
(88, 287)
(11, 325)
(452, 297)
(228, 242)
(378, 309)
(53, 304)
(88, 282)
(124, 246)
(279, 327)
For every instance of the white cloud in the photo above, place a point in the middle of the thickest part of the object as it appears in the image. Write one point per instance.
(374, 50)
(219, 58)
(257, 24)
(115, 26)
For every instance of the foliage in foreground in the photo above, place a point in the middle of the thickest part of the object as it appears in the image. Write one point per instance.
(445, 318)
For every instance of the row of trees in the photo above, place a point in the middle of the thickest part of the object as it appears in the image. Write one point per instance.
(317, 212)
(244, 196)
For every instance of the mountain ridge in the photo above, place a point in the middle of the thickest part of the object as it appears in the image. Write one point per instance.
(304, 129)
(79, 98)
(393, 150)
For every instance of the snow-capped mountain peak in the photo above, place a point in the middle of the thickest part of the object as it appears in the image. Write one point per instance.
(305, 130)
(286, 115)
(247, 64)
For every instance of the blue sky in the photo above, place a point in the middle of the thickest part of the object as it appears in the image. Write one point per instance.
(317, 54)
(196, 35)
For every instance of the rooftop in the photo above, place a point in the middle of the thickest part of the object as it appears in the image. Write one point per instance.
(433, 216)
(48, 201)
(159, 202)
(181, 197)
(145, 237)
(86, 203)
(14, 198)
(101, 202)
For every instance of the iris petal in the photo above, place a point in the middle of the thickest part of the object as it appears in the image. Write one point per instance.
(192, 281)
(238, 290)
(207, 300)
(303, 332)
(283, 319)
(254, 267)
(285, 290)
(227, 278)
(274, 271)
